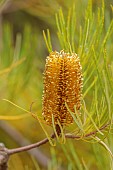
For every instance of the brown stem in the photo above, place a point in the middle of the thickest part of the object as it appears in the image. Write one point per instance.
(44, 141)
(5, 153)
(58, 130)
(28, 147)
(25, 148)
(87, 135)
(3, 157)
(41, 158)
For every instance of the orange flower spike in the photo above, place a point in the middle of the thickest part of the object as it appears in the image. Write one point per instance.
(62, 83)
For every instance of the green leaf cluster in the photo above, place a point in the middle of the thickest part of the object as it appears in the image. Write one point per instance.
(87, 32)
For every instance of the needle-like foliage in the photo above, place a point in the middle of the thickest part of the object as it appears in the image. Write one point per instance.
(87, 32)
(96, 109)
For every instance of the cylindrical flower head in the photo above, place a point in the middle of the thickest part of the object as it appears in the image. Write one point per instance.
(62, 84)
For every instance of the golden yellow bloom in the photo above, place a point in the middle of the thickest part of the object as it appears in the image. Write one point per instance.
(62, 84)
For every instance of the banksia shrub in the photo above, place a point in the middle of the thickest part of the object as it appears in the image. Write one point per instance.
(62, 84)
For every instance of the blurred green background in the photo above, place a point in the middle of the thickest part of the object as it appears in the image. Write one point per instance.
(22, 59)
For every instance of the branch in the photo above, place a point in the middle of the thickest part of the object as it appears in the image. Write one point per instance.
(41, 158)
(28, 147)
(44, 141)
(87, 135)
(3, 157)
(5, 153)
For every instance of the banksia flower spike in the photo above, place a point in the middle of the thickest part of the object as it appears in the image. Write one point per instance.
(62, 84)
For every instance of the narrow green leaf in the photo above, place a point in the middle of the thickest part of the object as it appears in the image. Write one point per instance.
(75, 156)
(104, 145)
(47, 40)
(75, 119)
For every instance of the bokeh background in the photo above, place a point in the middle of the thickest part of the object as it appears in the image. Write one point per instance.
(22, 59)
